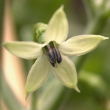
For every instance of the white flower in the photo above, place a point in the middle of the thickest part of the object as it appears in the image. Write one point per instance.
(54, 53)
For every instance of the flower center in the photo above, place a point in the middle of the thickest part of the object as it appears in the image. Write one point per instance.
(53, 54)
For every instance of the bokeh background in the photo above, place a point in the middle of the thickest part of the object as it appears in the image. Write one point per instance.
(17, 18)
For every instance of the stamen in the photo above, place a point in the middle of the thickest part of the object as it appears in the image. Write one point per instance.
(53, 54)
(48, 46)
(59, 58)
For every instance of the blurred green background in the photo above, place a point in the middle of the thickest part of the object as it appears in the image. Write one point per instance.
(84, 17)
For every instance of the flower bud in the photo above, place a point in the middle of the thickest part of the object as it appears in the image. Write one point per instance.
(39, 30)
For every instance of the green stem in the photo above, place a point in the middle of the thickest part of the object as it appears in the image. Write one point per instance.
(103, 4)
(34, 101)
(90, 8)
(98, 24)
(80, 63)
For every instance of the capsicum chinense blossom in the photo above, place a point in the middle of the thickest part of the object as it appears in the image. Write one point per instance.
(54, 53)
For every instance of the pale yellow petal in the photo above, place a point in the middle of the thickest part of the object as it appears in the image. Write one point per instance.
(66, 73)
(57, 29)
(38, 74)
(27, 50)
(79, 45)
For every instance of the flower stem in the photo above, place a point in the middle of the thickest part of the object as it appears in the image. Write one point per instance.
(98, 24)
(80, 63)
(90, 8)
(34, 101)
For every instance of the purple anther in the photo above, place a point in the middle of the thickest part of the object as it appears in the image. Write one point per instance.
(53, 55)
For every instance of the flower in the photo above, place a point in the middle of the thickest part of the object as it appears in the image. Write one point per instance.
(53, 54)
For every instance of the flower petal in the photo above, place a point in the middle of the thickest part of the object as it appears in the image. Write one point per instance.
(38, 74)
(66, 73)
(27, 50)
(81, 44)
(57, 29)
